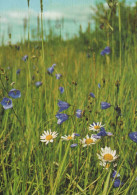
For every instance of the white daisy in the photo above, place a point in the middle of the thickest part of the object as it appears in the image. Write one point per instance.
(107, 155)
(95, 126)
(88, 141)
(48, 136)
(104, 164)
(68, 137)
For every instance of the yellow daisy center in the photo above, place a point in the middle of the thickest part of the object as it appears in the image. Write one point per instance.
(69, 137)
(96, 127)
(88, 141)
(49, 137)
(108, 157)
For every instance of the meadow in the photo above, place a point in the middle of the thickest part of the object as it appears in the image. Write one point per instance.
(28, 165)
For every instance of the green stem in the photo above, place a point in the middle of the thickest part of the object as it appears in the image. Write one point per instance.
(41, 4)
(119, 18)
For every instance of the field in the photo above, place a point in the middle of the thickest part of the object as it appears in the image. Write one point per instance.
(29, 166)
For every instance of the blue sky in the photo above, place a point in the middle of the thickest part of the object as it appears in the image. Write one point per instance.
(74, 12)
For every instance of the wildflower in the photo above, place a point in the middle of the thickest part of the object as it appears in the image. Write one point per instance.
(102, 53)
(107, 50)
(115, 173)
(77, 134)
(133, 136)
(68, 137)
(79, 113)
(48, 136)
(51, 69)
(73, 145)
(6, 103)
(88, 141)
(104, 164)
(117, 183)
(92, 95)
(24, 58)
(61, 89)
(58, 76)
(38, 83)
(107, 155)
(14, 93)
(99, 86)
(18, 71)
(104, 133)
(63, 105)
(95, 126)
(61, 118)
(105, 105)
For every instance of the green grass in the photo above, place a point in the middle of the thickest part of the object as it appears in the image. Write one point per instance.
(28, 166)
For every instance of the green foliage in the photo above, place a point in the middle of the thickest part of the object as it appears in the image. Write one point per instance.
(28, 166)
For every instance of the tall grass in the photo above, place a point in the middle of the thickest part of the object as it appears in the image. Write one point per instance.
(28, 166)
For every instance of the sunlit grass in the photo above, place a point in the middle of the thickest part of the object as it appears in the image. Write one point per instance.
(27, 165)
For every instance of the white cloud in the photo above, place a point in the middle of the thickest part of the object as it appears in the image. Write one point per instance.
(53, 15)
(78, 13)
(20, 14)
(3, 20)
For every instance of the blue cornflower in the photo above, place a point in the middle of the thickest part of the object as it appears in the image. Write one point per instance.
(61, 118)
(73, 145)
(6, 103)
(79, 113)
(105, 105)
(92, 95)
(99, 86)
(77, 134)
(114, 174)
(18, 71)
(53, 65)
(117, 183)
(38, 83)
(24, 58)
(104, 133)
(107, 50)
(58, 76)
(51, 69)
(61, 89)
(63, 105)
(102, 53)
(14, 93)
(133, 136)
